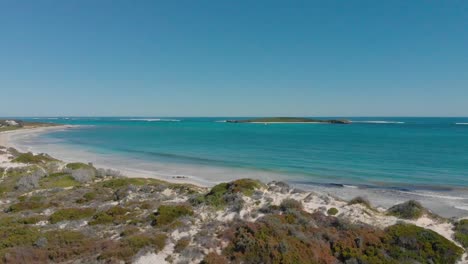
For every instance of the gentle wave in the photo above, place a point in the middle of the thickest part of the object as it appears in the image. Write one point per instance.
(379, 122)
(461, 207)
(461, 123)
(150, 119)
(433, 195)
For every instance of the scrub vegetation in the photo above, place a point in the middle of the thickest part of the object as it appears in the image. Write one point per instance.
(54, 212)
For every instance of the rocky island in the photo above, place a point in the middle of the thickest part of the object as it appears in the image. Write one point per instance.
(57, 212)
(290, 120)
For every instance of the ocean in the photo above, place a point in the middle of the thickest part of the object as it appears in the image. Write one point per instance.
(408, 155)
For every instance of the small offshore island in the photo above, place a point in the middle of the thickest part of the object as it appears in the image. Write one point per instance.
(298, 120)
(57, 212)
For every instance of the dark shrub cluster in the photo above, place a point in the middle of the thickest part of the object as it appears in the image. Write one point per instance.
(407, 210)
(228, 193)
(167, 214)
(299, 237)
(360, 200)
(461, 232)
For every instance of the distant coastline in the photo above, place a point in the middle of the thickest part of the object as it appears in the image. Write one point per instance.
(297, 120)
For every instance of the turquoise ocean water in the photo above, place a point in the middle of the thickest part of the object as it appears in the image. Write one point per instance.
(426, 153)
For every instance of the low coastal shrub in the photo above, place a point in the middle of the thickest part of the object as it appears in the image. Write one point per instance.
(222, 194)
(108, 172)
(87, 197)
(126, 248)
(181, 244)
(83, 175)
(300, 237)
(11, 176)
(167, 214)
(78, 165)
(461, 232)
(214, 258)
(332, 211)
(360, 200)
(115, 215)
(70, 214)
(245, 186)
(30, 220)
(17, 235)
(407, 210)
(136, 242)
(30, 158)
(58, 180)
(129, 230)
(122, 182)
(406, 242)
(26, 205)
(290, 204)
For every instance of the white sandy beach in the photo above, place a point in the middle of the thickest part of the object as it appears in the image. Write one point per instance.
(447, 204)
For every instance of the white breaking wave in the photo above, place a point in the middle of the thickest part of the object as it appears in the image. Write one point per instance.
(461, 123)
(350, 186)
(379, 122)
(151, 119)
(461, 207)
(221, 121)
(433, 195)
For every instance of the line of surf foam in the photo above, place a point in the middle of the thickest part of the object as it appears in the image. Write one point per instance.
(378, 122)
(150, 119)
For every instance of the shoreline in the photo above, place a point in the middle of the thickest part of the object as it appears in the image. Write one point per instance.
(448, 203)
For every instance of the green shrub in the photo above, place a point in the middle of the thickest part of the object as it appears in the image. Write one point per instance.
(461, 232)
(26, 205)
(167, 214)
(217, 196)
(137, 242)
(290, 204)
(58, 180)
(115, 215)
(17, 235)
(129, 230)
(409, 242)
(78, 165)
(332, 211)
(407, 210)
(30, 158)
(87, 197)
(129, 246)
(245, 186)
(360, 200)
(62, 246)
(30, 220)
(122, 182)
(70, 214)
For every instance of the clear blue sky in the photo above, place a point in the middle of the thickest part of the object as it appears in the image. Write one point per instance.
(233, 58)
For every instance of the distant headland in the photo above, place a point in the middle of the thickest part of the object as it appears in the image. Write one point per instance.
(290, 120)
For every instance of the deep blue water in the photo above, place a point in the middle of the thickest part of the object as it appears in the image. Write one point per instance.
(429, 152)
